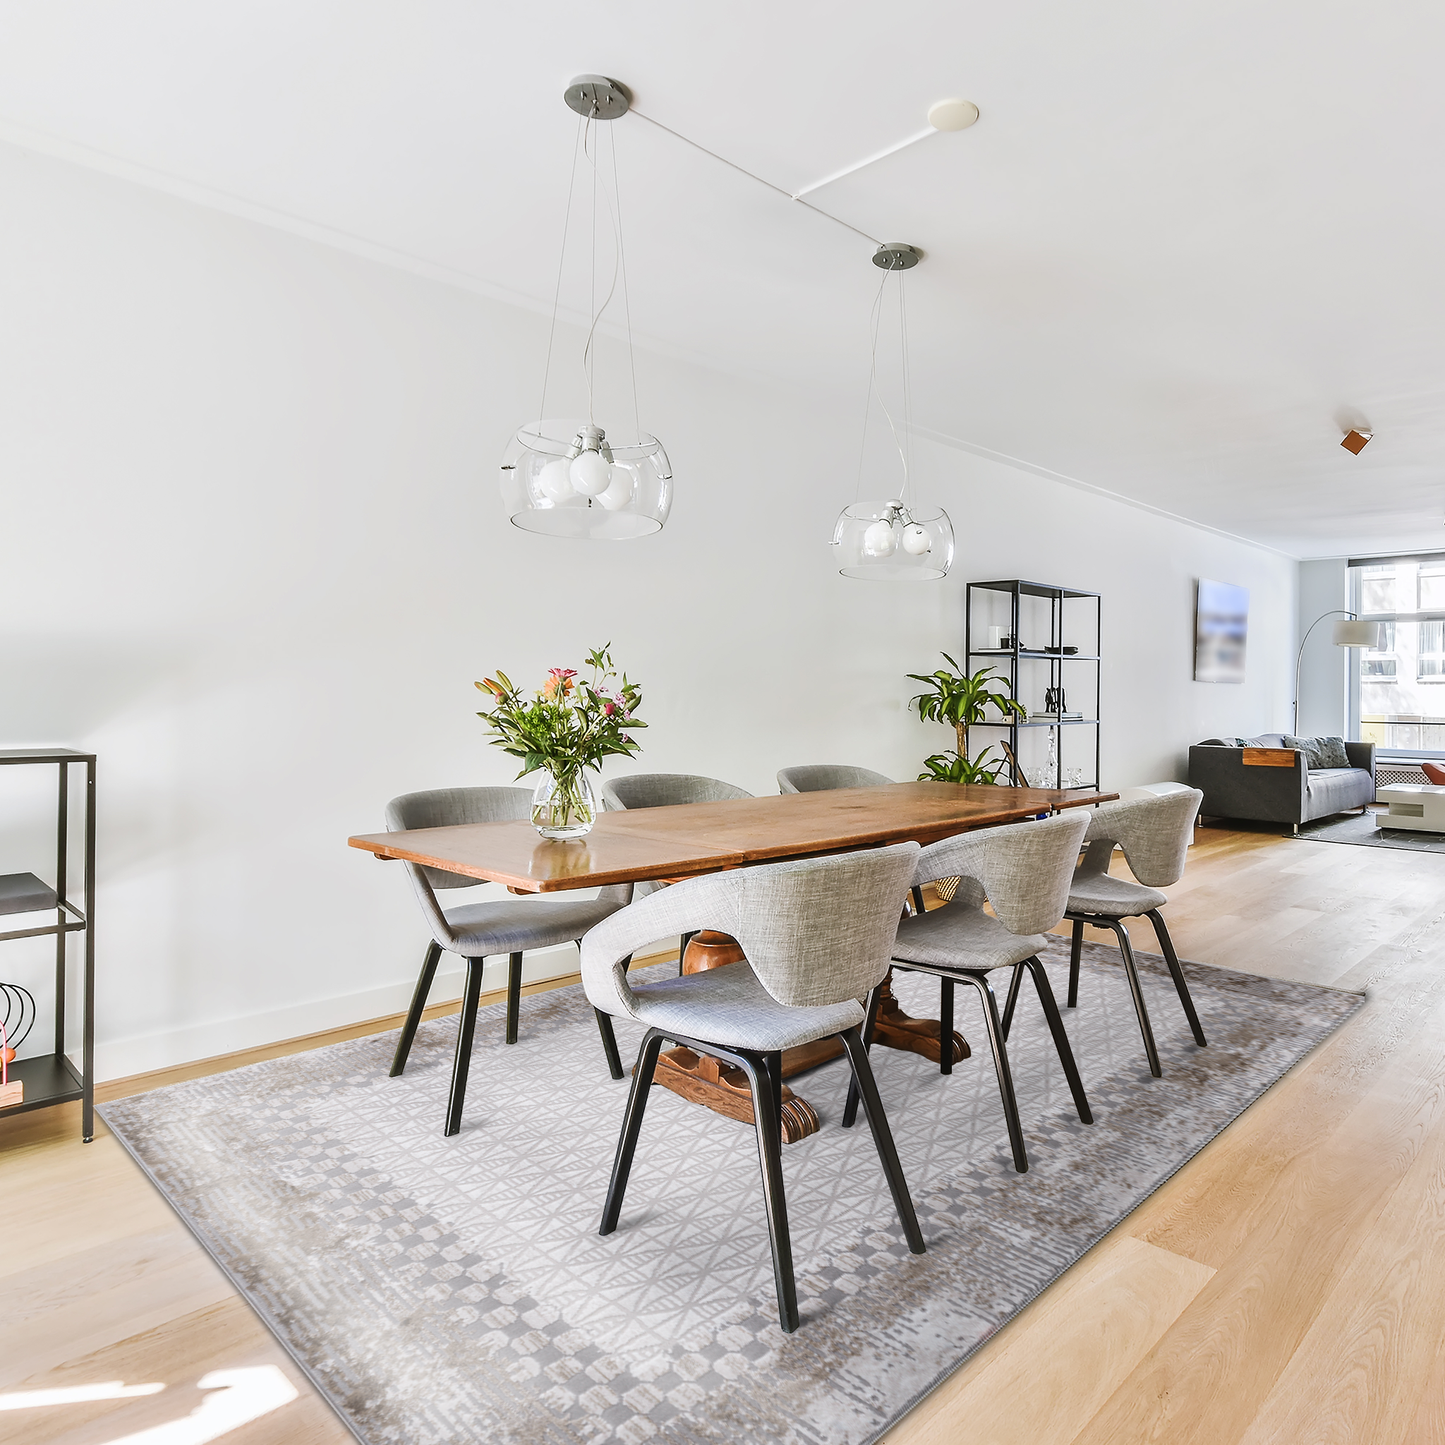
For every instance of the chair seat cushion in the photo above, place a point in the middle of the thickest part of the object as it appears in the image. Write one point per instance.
(730, 1007)
(957, 936)
(506, 927)
(1113, 897)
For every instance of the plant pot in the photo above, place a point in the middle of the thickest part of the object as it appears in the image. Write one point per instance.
(564, 805)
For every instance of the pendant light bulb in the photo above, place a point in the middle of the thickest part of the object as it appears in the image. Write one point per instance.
(555, 481)
(619, 494)
(878, 539)
(915, 540)
(590, 474)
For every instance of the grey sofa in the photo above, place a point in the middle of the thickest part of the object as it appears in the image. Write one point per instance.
(1234, 788)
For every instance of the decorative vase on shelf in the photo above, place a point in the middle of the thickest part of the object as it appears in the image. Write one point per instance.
(564, 805)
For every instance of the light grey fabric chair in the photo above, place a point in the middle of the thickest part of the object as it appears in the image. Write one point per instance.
(661, 790)
(1023, 870)
(481, 930)
(817, 934)
(1154, 834)
(823, 777)
(664, 790)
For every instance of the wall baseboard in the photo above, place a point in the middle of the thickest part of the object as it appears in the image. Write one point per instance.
(150, 1054)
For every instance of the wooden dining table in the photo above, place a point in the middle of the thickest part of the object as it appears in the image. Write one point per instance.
(690, 839)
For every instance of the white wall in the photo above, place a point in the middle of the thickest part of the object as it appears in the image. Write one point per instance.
(1324, 668)
(252, 553)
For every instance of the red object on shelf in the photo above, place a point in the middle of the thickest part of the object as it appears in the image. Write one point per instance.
(10, 1094)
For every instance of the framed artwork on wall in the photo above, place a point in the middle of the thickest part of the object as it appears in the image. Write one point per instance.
(1221, 628)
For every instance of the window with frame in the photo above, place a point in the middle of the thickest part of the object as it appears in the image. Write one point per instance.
(1430, 660)
(1381, 664)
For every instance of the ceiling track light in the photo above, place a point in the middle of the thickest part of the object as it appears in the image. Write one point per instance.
(563, 477)
(895, 539)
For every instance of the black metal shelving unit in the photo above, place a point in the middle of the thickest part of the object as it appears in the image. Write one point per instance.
(52, 1078)
(1011, 606)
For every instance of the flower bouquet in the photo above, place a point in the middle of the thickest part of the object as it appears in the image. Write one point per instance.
(566, 727)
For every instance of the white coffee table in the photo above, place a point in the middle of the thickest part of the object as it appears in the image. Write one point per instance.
(1413, 805)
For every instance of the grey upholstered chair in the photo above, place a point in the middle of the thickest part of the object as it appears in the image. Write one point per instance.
(484, 929)
(817, 934)
(661, 790)
(1154, 834)
(664, 790)
(1023, 870)
(822, 777)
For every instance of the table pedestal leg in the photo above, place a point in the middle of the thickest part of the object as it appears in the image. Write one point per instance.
(705, 1080)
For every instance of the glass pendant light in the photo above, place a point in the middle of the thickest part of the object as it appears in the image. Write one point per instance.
(566, 477)
(896, 539)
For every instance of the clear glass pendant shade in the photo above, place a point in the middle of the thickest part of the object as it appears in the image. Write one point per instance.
(887, 541)
(564, 478)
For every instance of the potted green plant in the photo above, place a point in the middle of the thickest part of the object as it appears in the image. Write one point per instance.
(565, 728)
(962, 699)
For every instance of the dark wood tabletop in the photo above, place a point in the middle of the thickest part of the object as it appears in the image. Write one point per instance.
(694, 838)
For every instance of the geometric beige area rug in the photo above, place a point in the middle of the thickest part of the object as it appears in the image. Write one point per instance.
(456, 1290)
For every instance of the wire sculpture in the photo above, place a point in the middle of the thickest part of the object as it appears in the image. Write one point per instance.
(17, 1016)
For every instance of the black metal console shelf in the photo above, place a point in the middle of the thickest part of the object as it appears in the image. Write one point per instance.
(1024, 610)
(52, 1078)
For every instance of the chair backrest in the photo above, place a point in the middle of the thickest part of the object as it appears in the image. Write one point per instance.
(1024, 869)
(816, 931)
(1153, 832)
(823, 777)
(446, 807)
(660, 790)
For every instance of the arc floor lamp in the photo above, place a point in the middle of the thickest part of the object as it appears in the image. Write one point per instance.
(1349, 633)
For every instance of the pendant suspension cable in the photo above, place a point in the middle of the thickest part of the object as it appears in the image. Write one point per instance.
(561, 262)
(786, 195)
(892, 426)
(626, 298)
(873, 320)
(588, 362)
(907, 386)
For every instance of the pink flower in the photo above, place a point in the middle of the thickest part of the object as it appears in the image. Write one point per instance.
(559, 683)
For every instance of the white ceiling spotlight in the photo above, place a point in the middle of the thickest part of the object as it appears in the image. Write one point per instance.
(896, 539)
(564, 477)
(952, 114)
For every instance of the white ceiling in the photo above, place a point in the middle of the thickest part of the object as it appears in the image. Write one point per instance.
(1182, 244)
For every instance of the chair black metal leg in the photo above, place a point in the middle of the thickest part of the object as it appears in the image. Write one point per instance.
(514, 995)
(850, 1109)
(1011, 1002)
(1001, 1068)
(918, 901)
(1061, 1039)
(775, 1078)
(609, 1043)
(883, 1138)
(1151, 1052)
(945, 1026)
(466, 1029)
(766, 1107)
(1076, 943)
(1171, 958)
(418, 1003)
(631, 1128)
(682, 949)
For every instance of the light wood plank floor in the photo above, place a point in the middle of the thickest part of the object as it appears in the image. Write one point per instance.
(1288, 1285)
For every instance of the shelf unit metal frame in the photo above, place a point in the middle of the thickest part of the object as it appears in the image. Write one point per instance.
(51, 1078)
(1017, 590)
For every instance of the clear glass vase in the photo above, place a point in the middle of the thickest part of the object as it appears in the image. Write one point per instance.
(564, 804)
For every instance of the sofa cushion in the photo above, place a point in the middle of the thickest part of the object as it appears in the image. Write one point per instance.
(1332, 790)
(1266, 740)
(1320, 752)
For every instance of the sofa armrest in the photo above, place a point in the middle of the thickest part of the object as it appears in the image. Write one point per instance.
(1362, 755)
(1234, 789)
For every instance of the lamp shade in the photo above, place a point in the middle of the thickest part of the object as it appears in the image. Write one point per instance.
(557, 479)
(886, 542)
(1350, 633)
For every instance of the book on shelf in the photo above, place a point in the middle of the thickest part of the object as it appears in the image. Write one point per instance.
(1055, 717)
